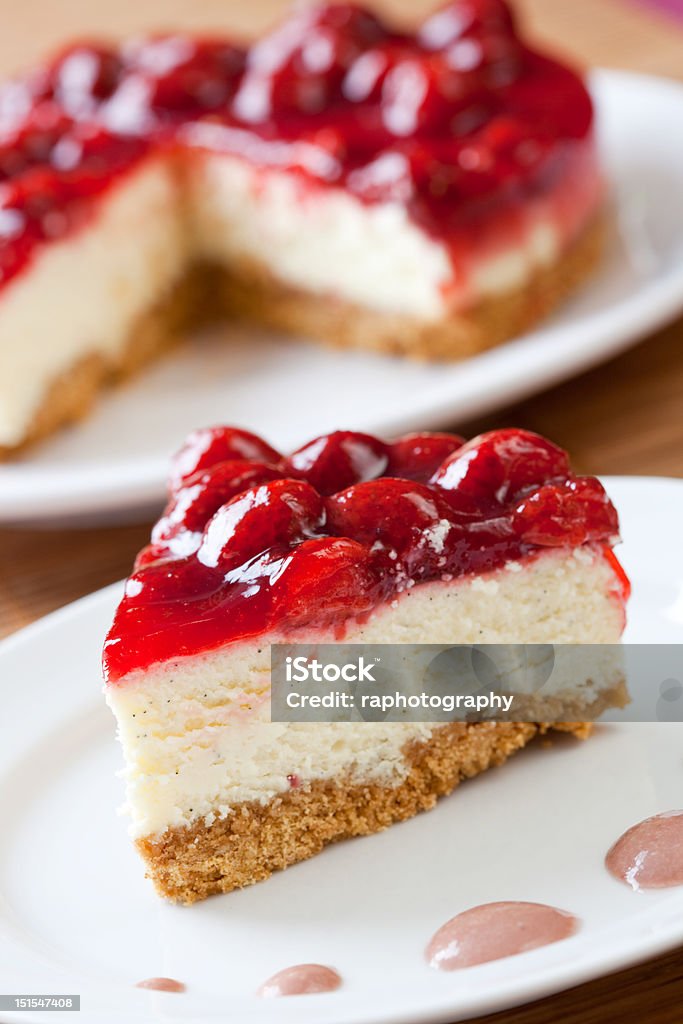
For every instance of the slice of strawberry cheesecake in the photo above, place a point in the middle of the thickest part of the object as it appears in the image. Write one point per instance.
(425, 540)
(428, 192)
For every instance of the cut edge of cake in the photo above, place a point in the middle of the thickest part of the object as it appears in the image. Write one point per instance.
(207, 292)
(256, 839)
(221, 797)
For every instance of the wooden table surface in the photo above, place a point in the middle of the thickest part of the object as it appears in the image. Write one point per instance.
(624, 417)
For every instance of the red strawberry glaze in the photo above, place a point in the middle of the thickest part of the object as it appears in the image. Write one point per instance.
(460, 121)
(205, 448)
(244, 548)
(338, 460)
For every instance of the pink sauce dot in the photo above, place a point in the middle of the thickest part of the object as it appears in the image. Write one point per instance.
(493, 931)
(650, 854)
(294, 781)
(162, 985)
(300, 980)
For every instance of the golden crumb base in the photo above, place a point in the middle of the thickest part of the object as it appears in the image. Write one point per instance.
(254, 840)
(247, 291)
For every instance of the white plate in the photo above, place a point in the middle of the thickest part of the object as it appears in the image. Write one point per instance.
(114, 464)
(77, 916)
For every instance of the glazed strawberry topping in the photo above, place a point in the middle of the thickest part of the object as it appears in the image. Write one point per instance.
(338, 460)
(196, 499)
(281, 513)
(457, 120)
(499, 466)
(210, 446)
(252, 542)
(299, 68)
(84, 76)
(182, 77)
(418, 456)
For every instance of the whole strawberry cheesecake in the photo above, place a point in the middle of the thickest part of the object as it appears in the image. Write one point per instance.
(424, 540)
(427, 192)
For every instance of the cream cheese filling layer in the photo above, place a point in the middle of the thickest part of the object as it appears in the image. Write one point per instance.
(196, 733)
(324, 240)
(81, 296)
(320, 240)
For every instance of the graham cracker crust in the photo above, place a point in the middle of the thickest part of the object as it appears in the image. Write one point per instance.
(190, 863)
(247, 291)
